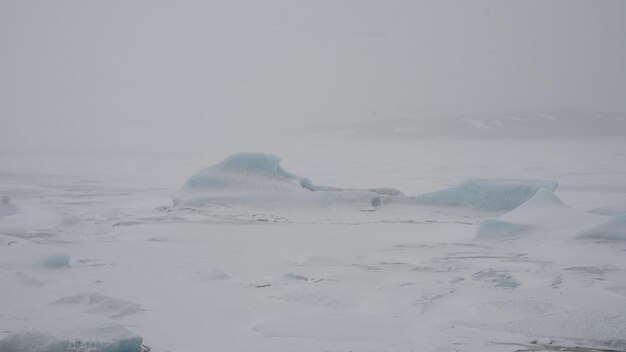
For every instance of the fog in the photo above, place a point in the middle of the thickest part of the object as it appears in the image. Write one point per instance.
(324, 175)
(187, 75)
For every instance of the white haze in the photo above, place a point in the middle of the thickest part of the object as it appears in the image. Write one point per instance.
(448, 176)
(194, 75)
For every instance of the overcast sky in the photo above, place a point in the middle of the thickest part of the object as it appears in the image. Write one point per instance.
(144, 75)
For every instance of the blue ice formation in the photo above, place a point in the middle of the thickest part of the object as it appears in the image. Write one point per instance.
(500, 229)
(499, 195)
(56, 260)
(544, 208)
(497, 279)
(542, 202)
(75, 332)
(244, 173)
(257, 179)
(613, 229)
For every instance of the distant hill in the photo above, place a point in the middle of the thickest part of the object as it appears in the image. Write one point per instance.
(519, 124)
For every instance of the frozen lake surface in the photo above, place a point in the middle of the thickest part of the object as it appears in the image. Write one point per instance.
(92, 249)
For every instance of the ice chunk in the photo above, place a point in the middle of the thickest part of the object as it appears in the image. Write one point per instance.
(612, 229)
(56, 260)
(499, 195)
(497, 279)
(99, 304)
(77, 333)
(500, 229)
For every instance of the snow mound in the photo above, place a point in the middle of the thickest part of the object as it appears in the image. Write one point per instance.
(543, 203)
(257, 179)
(611, 210)
(612, 229)
(99, 304)
(544, 212)
(500, 229)
(499, 195)
(76, 333)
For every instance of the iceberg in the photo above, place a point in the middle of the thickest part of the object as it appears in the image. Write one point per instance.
(243, 173)
(257, 179)
(491, 195)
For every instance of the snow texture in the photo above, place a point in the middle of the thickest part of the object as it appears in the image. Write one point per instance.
(610, 210)
(231, 278)
(99, 304)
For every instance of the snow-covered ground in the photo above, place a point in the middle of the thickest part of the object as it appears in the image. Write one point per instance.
(93, 253)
